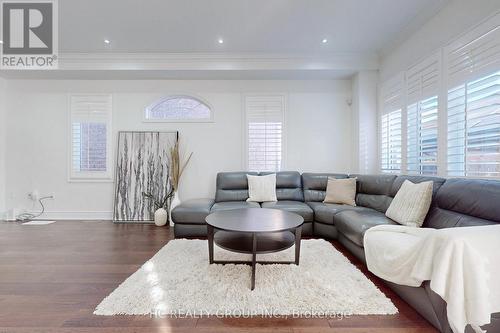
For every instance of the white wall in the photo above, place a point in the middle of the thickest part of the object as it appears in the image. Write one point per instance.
(364, 122)
(454, 19)
(318, 125)
(3, 87)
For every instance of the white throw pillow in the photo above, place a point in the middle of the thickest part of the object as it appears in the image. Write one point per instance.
(262, 188)
(341, 191)
(411, 204)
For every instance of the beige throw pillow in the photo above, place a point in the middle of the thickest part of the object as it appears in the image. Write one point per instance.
(341, 191)
(411, 204)
(262, 188)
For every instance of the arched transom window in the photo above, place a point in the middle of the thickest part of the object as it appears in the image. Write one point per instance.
(178, 108)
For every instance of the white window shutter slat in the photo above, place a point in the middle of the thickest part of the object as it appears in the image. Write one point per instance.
(264, 123)
(474, 128)
(90, 107)
(391, 142)
(474, 54)
(422, 80)
(422, 90)
(391, 93)
(391, 102)
(422, 137)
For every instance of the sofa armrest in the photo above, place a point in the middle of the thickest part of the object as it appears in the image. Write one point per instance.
(192, 211)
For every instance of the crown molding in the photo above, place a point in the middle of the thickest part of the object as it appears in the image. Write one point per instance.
(194, 66)
(207, 61)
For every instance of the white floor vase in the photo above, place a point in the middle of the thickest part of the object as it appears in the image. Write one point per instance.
(178, 279)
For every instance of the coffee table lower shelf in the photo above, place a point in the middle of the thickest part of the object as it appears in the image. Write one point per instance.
(253, 243)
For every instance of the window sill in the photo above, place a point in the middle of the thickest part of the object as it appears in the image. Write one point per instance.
(178, 121)
(90, 180)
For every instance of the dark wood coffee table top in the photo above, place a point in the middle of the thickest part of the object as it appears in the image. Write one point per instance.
(254, 231)
(254, 220)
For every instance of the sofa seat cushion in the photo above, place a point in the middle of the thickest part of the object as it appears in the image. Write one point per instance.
(297, 207)
(192, 211)
(228, 205)
(353, 224)
(325, 212)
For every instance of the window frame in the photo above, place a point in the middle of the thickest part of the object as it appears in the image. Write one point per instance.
(160, 100)
(244, 127)
(88, 176)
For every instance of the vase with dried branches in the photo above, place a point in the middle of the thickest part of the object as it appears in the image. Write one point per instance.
(161, 201)
(177, 166)
(161, 214)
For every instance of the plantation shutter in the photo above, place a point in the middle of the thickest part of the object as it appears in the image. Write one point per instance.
(90, 136)
(264, 119)
(422, 87)
(391, 142)
(390, 125)
(422, 80)
(474, 55)
(473, 84)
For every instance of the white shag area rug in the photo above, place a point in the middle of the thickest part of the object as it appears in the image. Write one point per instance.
(179, 280)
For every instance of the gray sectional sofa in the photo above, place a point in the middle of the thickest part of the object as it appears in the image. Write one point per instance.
(456, 203)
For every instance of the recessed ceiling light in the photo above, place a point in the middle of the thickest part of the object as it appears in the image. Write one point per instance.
(107, 41)
(220, 41)
(324, 41)
(1, 41)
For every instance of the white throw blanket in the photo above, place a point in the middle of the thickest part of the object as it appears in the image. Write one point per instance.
(462, 264)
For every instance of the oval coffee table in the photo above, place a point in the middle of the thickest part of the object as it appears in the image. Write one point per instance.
(254, 231)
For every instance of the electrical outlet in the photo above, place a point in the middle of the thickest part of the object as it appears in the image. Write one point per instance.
(34, 195)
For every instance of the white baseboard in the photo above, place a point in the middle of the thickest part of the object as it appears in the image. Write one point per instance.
(86, 215)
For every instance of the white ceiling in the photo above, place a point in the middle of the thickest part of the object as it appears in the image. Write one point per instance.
(263, 39)
(263, 26)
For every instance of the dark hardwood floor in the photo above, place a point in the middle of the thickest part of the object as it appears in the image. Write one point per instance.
(53, 276)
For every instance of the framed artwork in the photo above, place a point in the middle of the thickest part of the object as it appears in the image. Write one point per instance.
(142, 166)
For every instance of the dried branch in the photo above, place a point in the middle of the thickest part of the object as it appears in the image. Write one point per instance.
(176, 166)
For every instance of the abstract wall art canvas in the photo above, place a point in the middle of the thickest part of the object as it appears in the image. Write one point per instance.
(142, 167)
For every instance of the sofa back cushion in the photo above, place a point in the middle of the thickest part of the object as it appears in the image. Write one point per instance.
(437, 183)
(315, 185)
(232, 186)
(288, 185)
(463, 202)
(374, 191)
